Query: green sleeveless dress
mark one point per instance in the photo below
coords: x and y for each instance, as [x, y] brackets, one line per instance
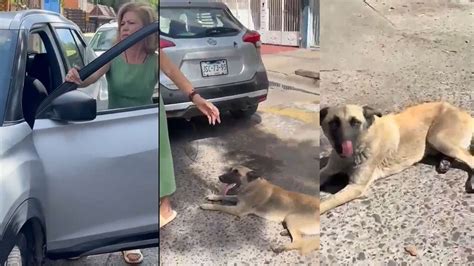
[133, 85]
[167, 179]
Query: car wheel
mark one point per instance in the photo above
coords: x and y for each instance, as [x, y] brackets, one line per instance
[24, 252]
[244, 113]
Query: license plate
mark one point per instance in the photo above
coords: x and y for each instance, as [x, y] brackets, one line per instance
[214, 68]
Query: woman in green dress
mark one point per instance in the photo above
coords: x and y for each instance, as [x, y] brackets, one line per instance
[167, 180]
[131, 79]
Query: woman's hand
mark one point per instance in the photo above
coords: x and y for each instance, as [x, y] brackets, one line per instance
[208, 109]
[73, 76]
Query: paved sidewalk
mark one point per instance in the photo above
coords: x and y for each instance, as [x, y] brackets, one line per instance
[282, 62]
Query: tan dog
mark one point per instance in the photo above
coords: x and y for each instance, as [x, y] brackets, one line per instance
[255, 195]
[368, 146]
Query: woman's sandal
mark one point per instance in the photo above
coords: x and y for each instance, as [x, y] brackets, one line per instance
[133, 253]
[166, 221]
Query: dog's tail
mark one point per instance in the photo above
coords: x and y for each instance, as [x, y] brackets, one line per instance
[310, 244]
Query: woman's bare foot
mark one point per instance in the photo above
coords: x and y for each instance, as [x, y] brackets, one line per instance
[165, 208]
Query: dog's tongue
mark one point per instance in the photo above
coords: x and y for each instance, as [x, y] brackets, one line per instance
[347, 148]
[227, 187]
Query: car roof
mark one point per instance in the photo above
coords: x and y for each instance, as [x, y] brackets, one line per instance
[109, 25]
[13, 20]
[191, 3]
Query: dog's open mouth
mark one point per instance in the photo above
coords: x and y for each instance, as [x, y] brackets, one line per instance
[228, 187]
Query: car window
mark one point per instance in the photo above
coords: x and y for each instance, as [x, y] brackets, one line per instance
[35, 44]
[197, 23]
[70, 48]
[104, 39]
[43, 70]
[8, 41]
[97, 90]
[42, 62]
[79, 43]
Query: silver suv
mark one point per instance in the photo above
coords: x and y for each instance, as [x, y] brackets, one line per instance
[216, 53]
[74, 179]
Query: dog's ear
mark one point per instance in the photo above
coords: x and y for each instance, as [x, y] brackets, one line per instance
[252, 175]
[322, 114]
[369, 114]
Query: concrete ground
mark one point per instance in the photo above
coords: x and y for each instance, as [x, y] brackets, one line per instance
[390, 54]
[150, 258]
[278, 141]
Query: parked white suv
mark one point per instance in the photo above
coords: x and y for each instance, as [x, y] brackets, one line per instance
[104, 38]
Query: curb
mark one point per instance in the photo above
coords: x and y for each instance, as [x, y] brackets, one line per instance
[294, 82]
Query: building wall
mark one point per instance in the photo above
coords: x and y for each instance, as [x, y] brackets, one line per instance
[73, 4]
[82, 4]
[245, 11]
[241, 10]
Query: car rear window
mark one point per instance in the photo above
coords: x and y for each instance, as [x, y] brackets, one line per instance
[197, 23]
[104, 39]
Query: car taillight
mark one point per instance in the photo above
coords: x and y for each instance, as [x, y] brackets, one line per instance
[165, 44]
[253, 37]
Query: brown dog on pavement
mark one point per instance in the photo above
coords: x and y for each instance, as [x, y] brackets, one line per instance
[255, 195]
[368, 146]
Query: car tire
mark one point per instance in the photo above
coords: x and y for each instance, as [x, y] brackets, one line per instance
[244, 113]
[25, 252]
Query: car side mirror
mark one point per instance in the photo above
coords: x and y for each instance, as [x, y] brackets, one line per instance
[73, 106]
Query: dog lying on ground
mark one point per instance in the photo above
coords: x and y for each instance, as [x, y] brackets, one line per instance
[368, 146]
[255, 195]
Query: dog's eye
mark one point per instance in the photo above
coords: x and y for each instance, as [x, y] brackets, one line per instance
[354, 122]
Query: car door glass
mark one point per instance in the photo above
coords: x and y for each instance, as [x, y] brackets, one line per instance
[69, 48]
[78, 55]
[35, 44]
[79, 44]
[42, 62]
[43, 72]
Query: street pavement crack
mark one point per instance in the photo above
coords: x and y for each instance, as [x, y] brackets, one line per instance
[290, 88]
[380, 14]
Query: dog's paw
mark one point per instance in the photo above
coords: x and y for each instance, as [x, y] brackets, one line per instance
[360, 156]
[443, 166]
[213, 197]
[207, 206]
[278, 249]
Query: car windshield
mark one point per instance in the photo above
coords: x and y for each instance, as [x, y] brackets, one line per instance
[197, 23]
[104, 39]
[8, 39]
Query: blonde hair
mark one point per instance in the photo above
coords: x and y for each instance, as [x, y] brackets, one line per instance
[147, 15]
